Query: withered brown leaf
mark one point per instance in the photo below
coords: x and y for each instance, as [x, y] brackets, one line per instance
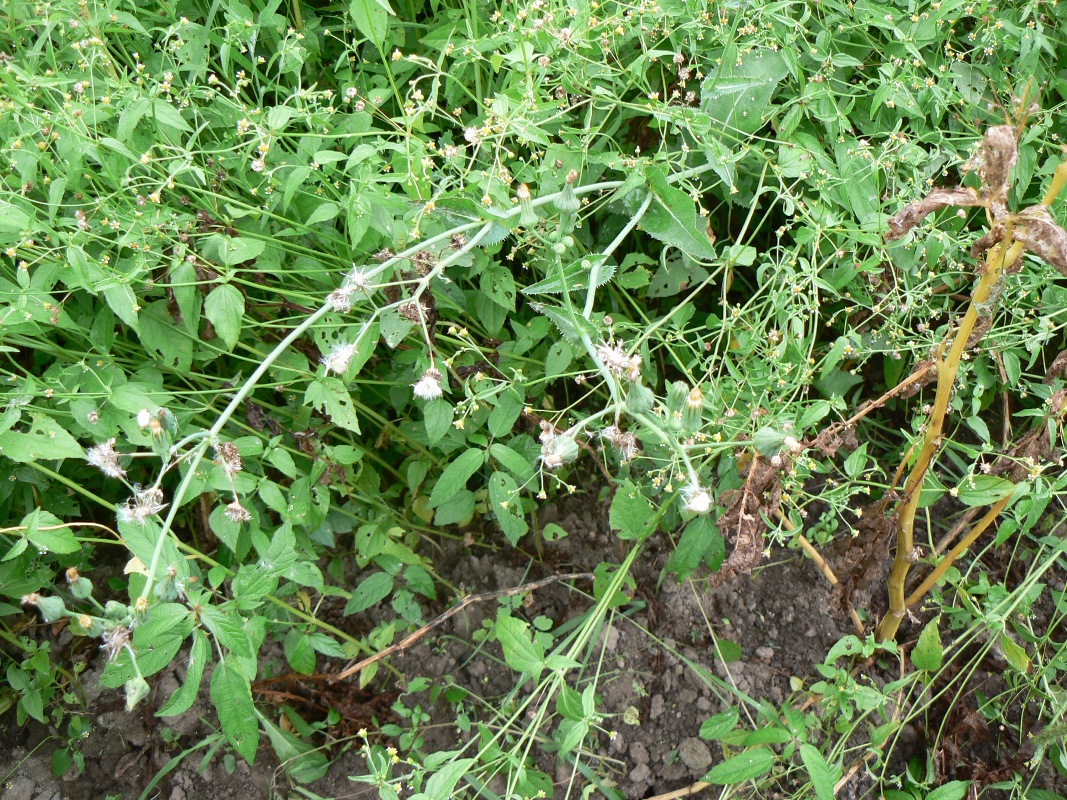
[914, 213]
[1035, 227]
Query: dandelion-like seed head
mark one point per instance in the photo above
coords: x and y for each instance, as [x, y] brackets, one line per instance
[115, 639]
[428, 387]
[237, 513]
[339, 357]
[227, 457]
[106, 459]
[697, 500]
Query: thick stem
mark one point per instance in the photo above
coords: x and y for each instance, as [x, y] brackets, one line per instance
[999, 257]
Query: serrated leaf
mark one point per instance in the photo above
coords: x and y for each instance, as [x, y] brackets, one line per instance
[227, 630]
[823, 776]
[576, 277]
[455, 476]
[44, 441]
[185, 695]
[953, 790]
[503, 495]
[984, 490]
[631, 513]
[330, 396]
[232, 697]
[372, 589]
[571, 330]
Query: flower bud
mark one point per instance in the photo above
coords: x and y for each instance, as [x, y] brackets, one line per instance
[676, 394]
[639, 399]
[559, 450]
[693, 412]
[527, 215]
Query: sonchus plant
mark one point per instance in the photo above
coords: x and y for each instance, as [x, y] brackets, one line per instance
[1011, 235]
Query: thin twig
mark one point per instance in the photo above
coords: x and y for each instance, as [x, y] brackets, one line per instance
[411, 638]
[688, 790]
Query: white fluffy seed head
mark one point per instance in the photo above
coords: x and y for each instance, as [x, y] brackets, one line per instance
[428, 387]
[697, 500]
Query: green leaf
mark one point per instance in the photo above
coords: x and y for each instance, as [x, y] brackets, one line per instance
[456, 475]
[1014, 653]
[718, 726]
[121, 299]
[575, 277]
[505, 413]
[185, 695]
[232, 696]
[515, 463]
[953, 790]
[169, 117]
[44, 441]
[823, 777]
[330, 396]
[370, 19]
[442, 782]
[928, 652]
[984, 490]
[61, 540]
[227, 630]
[372, 589]
[299, 652]
[557, 360]
[750, 764]
[324, 212]
[521, 652]
[631, 513]
[225, 307]
[504, 496]
[673, 219]
[437, 415]
[738, 95]
[698, 539]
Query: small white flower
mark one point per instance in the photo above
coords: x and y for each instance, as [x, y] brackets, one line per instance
[104, 458]
[258, 165]
[144, 418]
[339, 357]
[428, 387]
[697, 500]
[472, 135]
[351, 92]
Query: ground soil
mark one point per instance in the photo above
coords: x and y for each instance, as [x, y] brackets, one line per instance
[780, 617]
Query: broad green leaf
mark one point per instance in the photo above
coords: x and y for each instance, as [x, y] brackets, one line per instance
[928, 652]
[631, 513]
[442, 782]
[1014, 653]
[324, 212]
[823, 776]
[370, 19]
[699, 539]
[232, 696]
[521, 652]
[437, 415]
[225, 307]
[575, 277]
[673, 219]
[505, 413]
[227, 630]
[557, 360]
[953, 790]
[185, 695]
[58, 540]
[750, 764]
[169, 117]
[45, 440]
[372, 589]
[518, 465]
[507, 507]
[455, 476]
[984, 490]
[121, 299]
[299, 652]
[738, 95]
[330, 396]
[718, 726]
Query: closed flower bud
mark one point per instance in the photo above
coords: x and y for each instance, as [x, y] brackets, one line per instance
[676, 394]
[639, 399]
[693, 413]
[527, 215]
[559, 450]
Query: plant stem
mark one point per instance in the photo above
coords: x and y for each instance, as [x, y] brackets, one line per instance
[999, 257]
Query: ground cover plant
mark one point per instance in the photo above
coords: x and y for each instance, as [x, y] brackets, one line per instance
[300, 300]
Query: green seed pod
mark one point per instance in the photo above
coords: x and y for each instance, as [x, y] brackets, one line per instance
[676, 394]
[51, 608]
[639, 399]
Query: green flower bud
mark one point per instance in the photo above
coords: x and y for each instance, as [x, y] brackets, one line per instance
[51, 608]
[137, 689]
[693, 411]
[676, 394]
[639, 399]
[116, 610]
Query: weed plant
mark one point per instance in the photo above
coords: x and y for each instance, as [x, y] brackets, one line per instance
[292, 295]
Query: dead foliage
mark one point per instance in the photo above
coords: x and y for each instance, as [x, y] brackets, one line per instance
[746, 515]
[865, 561]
